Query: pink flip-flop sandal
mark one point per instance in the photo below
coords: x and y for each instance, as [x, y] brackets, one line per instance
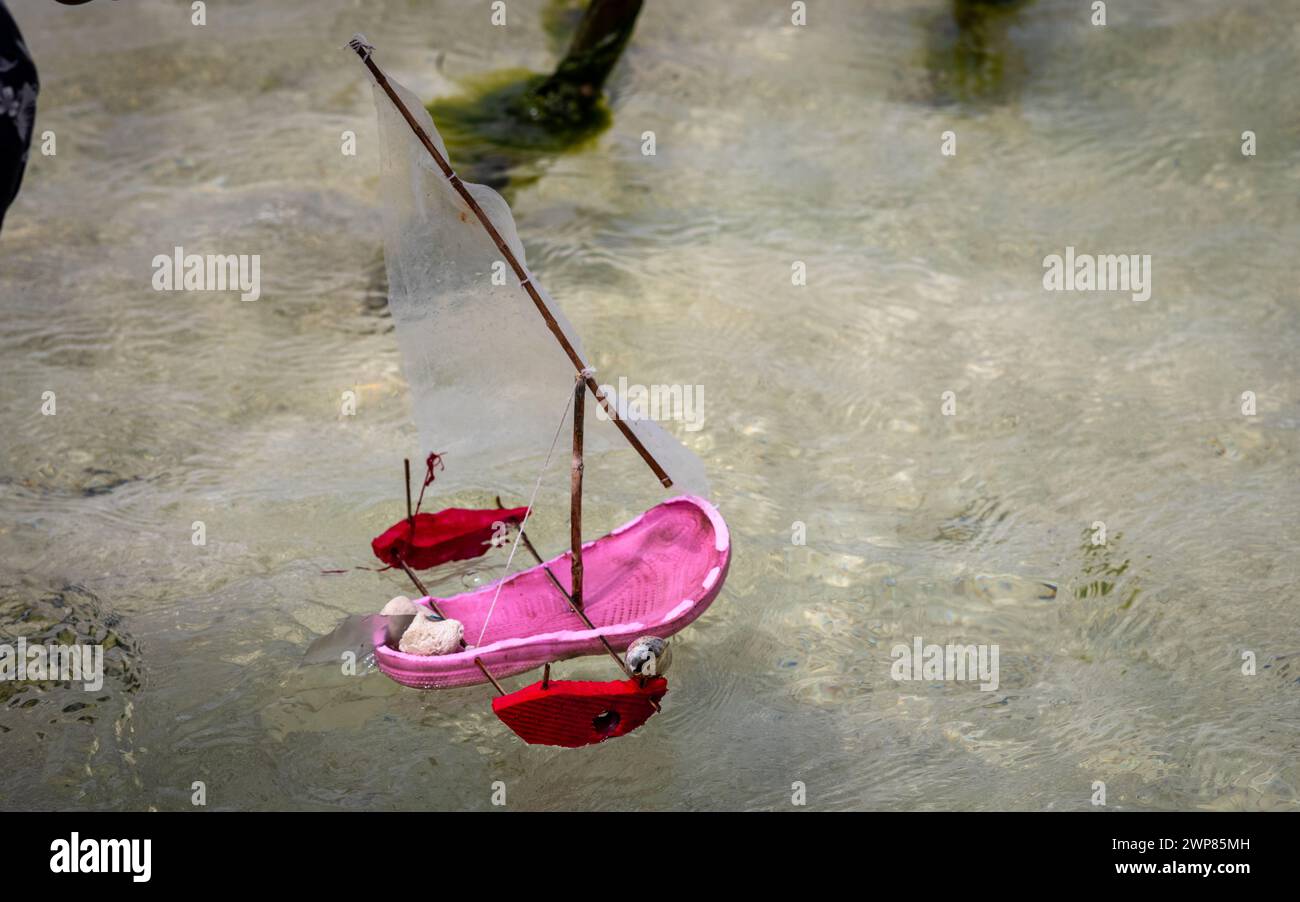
[653, 575]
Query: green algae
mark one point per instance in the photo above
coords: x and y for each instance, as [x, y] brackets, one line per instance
[505, 124]
[971, 57]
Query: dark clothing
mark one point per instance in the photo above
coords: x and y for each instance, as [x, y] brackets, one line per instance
[18, 87]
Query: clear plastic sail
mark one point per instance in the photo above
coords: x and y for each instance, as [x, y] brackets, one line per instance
[488, 379]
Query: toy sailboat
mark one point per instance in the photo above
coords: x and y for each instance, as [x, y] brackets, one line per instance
[649, 578]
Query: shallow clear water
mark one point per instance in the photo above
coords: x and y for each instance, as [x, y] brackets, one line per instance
[775, 144]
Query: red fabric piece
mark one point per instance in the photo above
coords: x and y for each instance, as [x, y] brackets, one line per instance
[454, 534]
[572, 713]
[433, 464]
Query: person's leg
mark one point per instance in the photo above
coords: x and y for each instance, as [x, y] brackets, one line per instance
[18, 87]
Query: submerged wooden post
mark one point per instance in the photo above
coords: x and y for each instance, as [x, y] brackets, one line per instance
[575, 491]
[597, 44]
[364, 50]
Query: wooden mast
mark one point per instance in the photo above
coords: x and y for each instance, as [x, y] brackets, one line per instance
[575, 492]
[575, 524]
[364, 51]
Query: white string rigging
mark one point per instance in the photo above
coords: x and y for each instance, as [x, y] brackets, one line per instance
[528, 513]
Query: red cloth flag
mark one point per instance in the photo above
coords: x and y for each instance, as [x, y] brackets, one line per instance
[454, 534]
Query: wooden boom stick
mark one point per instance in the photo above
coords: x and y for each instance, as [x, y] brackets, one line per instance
[365, 51]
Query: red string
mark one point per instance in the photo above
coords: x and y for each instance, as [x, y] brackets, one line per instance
[434, 461]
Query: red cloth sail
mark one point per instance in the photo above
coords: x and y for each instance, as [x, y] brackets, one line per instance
[454, 534]
[574, 713]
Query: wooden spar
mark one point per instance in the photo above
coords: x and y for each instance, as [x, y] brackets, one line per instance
[410, 517]
[488, 674]
[577, 610]
[528, 543]
[365, 51]
[423, 591]
[433, 604]
[575, 493]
